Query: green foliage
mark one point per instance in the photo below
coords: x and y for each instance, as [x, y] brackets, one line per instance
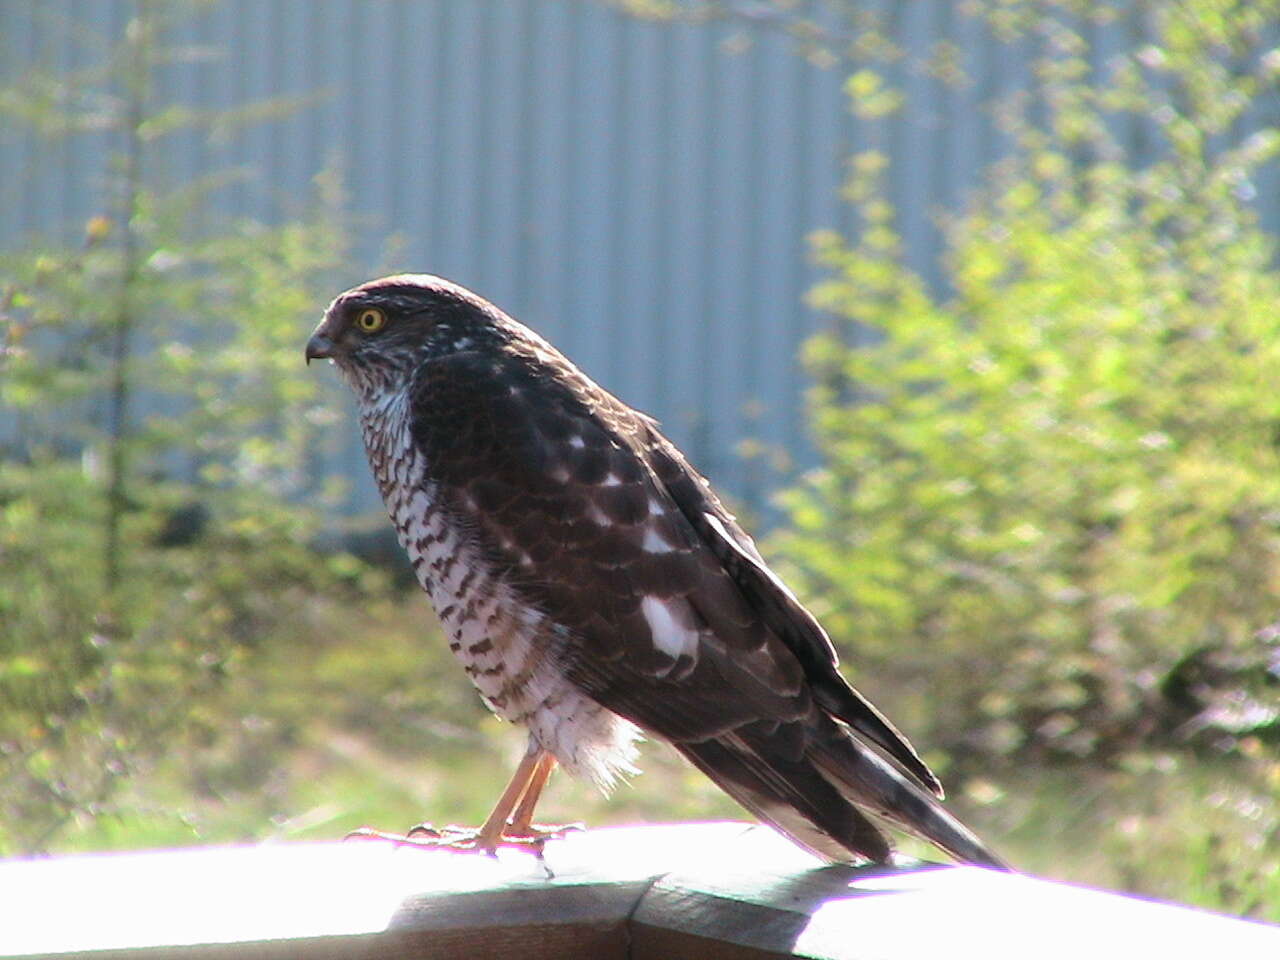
[97, 688]
[1055, 493]
[1063, 482]
[1048, 516]
[1189, 831]
[1058, 487]
[164, 431]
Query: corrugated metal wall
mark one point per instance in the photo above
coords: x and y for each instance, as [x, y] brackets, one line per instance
[640, 193]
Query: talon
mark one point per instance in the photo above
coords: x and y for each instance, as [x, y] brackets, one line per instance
[531, 838]
[509, 825]
[542, 831]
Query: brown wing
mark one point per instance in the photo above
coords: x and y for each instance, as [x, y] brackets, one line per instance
[778, 607]
[666, 614]
[574, 518]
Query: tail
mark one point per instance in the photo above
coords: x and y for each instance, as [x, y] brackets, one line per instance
[819, 785]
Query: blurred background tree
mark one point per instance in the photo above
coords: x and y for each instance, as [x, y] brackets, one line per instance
[1047, 524]
[165, 435]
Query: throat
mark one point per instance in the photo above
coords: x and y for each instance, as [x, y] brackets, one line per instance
[384, 425]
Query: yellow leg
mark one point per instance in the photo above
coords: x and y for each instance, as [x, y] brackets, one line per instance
[510, 824]
[495, 825]
[522, 819]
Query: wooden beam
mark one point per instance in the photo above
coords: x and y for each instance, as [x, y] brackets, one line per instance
[763, 897]
[705, 891]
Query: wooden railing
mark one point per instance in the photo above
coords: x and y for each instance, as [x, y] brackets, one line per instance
[704, 891]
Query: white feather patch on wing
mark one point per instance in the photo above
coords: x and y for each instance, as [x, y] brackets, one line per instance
[654, 542]
[669, 636]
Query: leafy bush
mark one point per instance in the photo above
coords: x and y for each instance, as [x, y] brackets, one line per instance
[112, 651]
[159, 435]
[1049, 511]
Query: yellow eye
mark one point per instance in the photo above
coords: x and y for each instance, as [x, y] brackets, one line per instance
[371, 320]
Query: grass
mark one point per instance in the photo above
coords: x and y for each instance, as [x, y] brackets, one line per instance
[1199, 834]
[386, 732]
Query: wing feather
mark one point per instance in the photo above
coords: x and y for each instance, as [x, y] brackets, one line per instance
[780, 609]
[579, 554]
[667, 614]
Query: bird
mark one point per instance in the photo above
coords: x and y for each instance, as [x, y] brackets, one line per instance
[597, 591]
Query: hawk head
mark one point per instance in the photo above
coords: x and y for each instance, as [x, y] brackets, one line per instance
[379, 332]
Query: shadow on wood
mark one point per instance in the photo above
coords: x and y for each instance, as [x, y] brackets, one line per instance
[705, 891]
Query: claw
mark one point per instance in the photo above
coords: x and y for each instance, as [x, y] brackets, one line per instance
[544, 831]
[509, 825]
[532, 837]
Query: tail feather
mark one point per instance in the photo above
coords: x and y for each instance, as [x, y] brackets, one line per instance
[843, 701]
[867, 780]
[797, 801]
[825, 796]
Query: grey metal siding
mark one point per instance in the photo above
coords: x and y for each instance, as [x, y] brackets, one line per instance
[640, 193]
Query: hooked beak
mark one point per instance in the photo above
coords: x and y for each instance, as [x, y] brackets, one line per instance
[319, 347]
